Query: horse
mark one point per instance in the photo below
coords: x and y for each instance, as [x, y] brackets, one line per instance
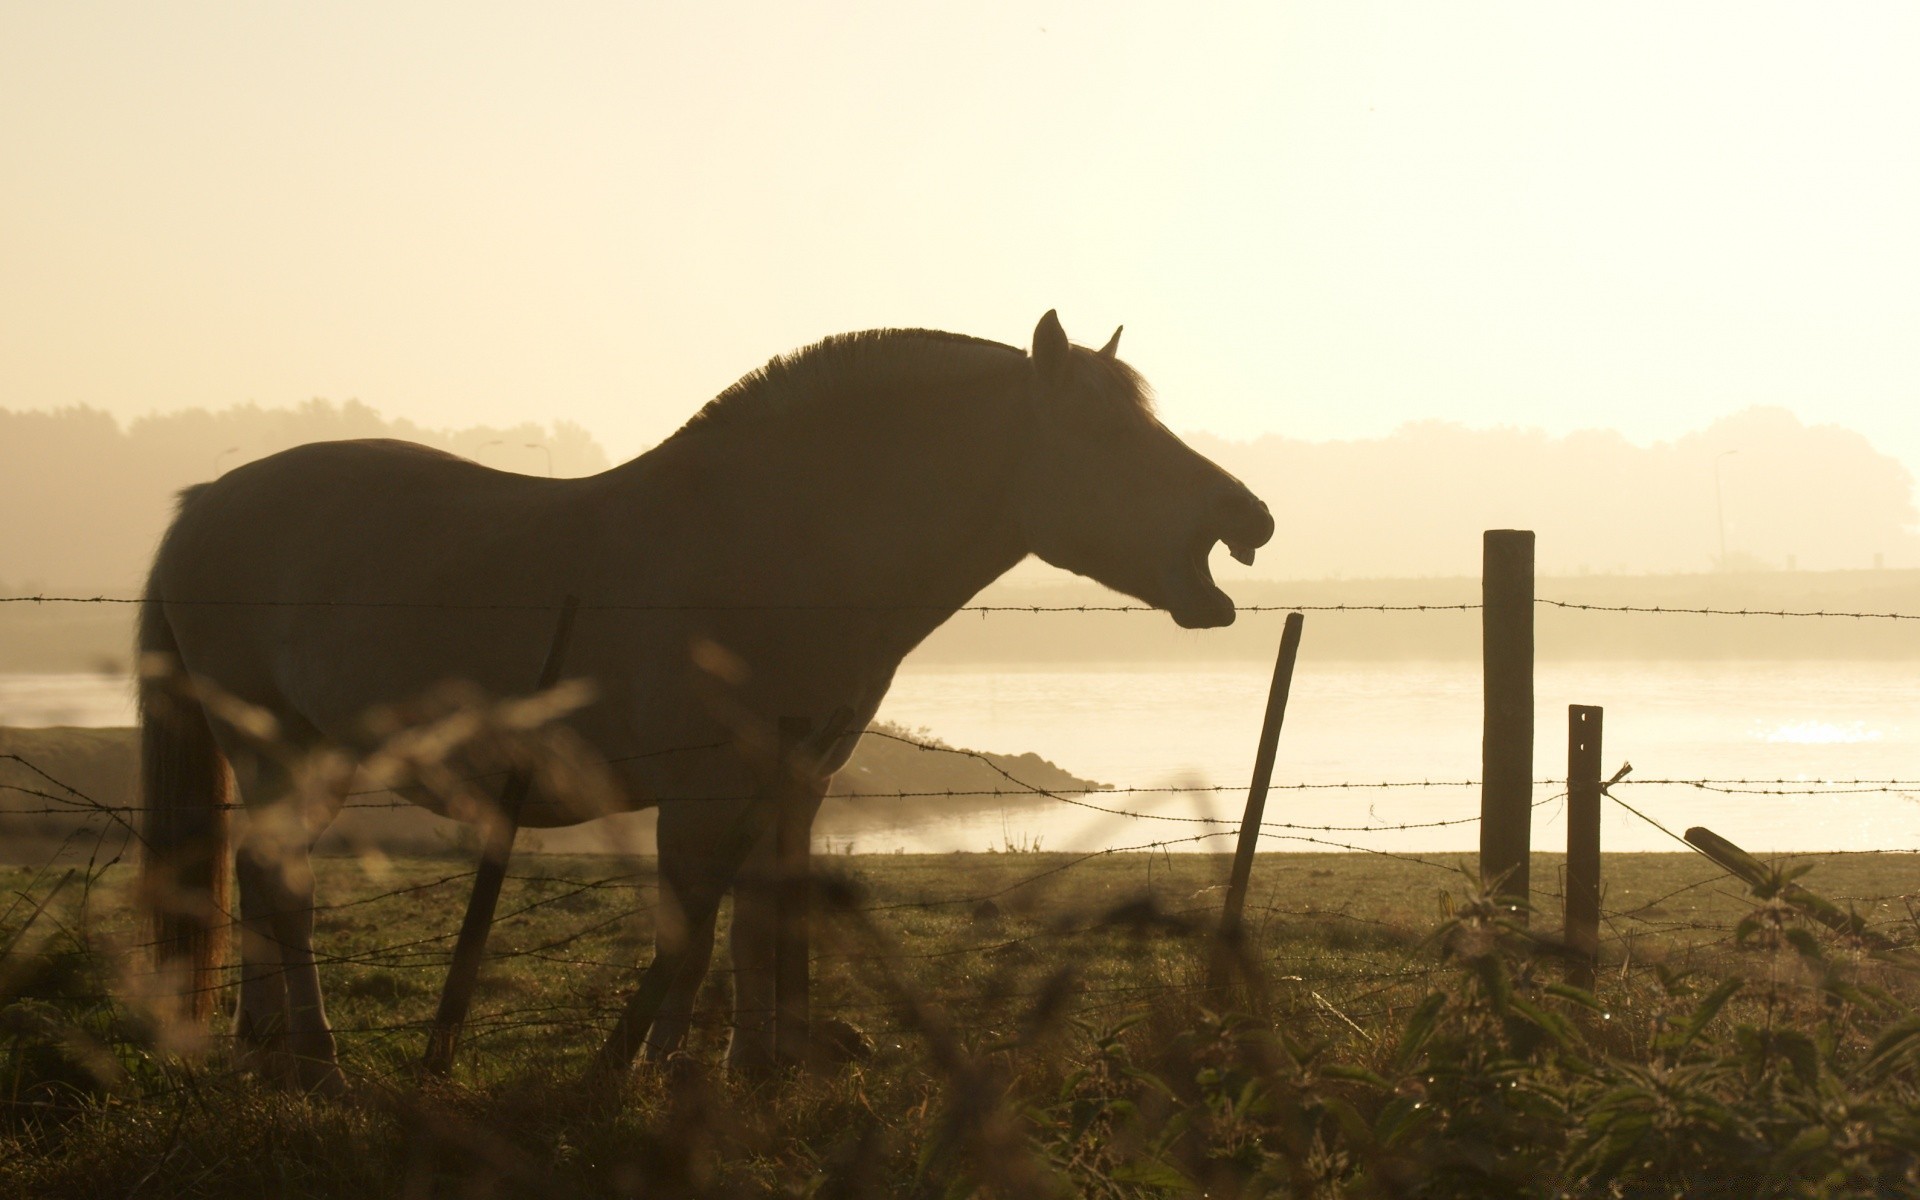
[777, 556]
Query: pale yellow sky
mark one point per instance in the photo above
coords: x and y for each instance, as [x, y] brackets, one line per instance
[1316, 219]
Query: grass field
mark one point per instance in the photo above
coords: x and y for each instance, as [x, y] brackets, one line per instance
[1036, 1024]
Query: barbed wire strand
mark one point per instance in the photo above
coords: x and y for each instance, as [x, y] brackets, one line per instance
[1346, 606]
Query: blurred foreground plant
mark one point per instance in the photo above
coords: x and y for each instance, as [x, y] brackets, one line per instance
[1793, 1071]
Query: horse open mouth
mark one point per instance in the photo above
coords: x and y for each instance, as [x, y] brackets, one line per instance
[1243, 525]
[1199, 603]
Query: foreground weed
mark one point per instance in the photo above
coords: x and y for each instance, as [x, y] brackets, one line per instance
[1783, 1063]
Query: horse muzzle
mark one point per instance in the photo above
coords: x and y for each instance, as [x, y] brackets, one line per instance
[1240, 521]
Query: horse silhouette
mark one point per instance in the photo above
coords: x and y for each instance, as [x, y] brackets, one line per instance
[777, 557]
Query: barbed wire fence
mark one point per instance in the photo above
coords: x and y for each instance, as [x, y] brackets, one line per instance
[615, 908]
[639, 607]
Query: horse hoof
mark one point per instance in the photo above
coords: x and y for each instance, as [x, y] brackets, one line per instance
[831, 1043]
[752, 1062]
[323, 1079]
[836, 1043]
[250, 1058]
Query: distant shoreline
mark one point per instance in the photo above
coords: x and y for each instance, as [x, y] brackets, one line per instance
[57, 780]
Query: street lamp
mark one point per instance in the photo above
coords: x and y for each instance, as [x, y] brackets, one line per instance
[542, 448]
[1720, 504]
[221, 455]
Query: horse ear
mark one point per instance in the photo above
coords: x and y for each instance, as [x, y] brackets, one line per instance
[1113, 343]
[1050, 349]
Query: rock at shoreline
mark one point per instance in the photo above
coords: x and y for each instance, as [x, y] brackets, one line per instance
[56, 781]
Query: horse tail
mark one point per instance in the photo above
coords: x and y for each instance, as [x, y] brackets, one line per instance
[186, 791]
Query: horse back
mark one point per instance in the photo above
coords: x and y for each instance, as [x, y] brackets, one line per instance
[318, 510]
[336, 575]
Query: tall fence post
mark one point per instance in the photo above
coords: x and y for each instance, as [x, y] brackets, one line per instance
[1257, 790]
[463, 973]
[1581, 927]
[1506, 747]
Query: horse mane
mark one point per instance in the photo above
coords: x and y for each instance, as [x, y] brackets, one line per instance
[875, 355]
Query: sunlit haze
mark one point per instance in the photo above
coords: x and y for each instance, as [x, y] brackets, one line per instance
[1322, 220]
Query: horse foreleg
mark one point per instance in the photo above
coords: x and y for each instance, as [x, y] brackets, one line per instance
[752, 945]
[692, 880]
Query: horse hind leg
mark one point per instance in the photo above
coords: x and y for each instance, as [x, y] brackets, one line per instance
[260, 1017]
[281, 1023]
[692, 881]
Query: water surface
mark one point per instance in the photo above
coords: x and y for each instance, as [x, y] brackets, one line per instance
[1367, 723]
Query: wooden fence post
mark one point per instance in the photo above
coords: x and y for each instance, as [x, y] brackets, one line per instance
[1257, 790]
[471, 946]
[1581, 927]
[1506, 747]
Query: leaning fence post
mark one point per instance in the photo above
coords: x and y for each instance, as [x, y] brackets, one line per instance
[1581, 927]
[1506, 747]
[1257, 790]
[464, 971]
[1752, 872]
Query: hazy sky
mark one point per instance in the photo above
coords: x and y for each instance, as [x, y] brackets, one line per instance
[1320, 219]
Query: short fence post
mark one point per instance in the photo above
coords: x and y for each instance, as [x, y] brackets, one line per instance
[1257, 790]
[792, 947]
[463, 973]
[1581, 928]
[1506, 747]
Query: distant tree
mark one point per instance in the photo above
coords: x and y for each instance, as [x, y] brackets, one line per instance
[1414, 503]
[87, 499]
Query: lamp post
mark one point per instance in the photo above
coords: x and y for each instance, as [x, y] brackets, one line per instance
[542, 448]
[221, 455]
[1720, 504]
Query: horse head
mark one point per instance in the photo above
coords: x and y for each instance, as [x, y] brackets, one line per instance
[1109, 492]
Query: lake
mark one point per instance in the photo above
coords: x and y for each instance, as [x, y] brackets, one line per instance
[1365, 723]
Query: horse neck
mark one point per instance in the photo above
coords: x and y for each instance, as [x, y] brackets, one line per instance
[898, 505]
